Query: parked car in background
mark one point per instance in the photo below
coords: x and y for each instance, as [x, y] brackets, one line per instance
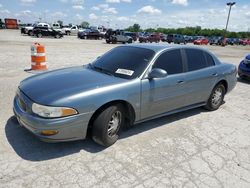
[189, 39]
[163, 37]
[217, 40]
[56, 26]
[29, 29]
[90, 34]
[244, 42]
[134, 35]
[201, 41]
[152, 37]
[127, 85]
[73, 30]
[233, 41]
[244, 68]
[114, 36]
[42, 31]
[176, 39]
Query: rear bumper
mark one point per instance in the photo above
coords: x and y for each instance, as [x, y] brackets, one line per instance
[68, 128]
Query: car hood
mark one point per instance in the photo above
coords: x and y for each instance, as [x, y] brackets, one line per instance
[49, 87]
[29, 27]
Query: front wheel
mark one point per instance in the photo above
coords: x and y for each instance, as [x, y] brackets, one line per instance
[107, 125]
[216, 98]
[39, 35]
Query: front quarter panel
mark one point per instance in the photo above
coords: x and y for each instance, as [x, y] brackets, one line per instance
[90, 101]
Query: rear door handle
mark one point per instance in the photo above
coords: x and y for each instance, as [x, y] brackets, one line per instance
[214, 74]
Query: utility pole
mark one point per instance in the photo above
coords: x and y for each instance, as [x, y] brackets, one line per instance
[230, 4]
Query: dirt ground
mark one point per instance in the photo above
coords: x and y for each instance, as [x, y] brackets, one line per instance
[195, 148]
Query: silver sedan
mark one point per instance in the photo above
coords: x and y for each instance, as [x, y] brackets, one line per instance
[125, 86]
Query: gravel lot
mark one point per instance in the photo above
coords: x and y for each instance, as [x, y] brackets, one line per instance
[195, 148]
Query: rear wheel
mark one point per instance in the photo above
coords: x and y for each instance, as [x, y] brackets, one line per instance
[216, 98]
[30, 33]
[107, 125]
[57, 36]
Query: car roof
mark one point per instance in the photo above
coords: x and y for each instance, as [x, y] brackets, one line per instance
[160, 47]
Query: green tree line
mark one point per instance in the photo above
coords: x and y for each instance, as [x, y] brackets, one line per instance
[192, 31]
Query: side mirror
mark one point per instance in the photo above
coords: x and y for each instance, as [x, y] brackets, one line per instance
[157, 73]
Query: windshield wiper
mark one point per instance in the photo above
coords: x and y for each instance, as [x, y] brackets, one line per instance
[99, 69]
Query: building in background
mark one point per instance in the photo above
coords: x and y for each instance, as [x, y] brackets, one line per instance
[11, 23]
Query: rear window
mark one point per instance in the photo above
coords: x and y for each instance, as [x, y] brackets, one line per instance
[210, 60]
[195, 59]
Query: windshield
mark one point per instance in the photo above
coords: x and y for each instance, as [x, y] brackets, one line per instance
[124, 62]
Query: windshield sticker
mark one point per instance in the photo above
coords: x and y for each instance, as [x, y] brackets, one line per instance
[125, 72]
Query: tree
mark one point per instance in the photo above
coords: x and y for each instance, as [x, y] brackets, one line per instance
[134, 28]
[84, 24]
[60, 22]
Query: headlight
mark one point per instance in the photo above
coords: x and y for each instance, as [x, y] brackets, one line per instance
[246, 61]
[52, 112]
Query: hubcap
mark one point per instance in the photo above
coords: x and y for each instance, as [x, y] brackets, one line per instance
[217, 96]
[114, 123]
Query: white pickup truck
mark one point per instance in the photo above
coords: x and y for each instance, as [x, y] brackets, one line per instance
[71, 30]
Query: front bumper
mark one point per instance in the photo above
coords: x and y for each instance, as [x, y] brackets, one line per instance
[68, 128]
[243, 70]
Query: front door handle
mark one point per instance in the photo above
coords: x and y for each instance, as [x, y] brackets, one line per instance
[180, 82]
[214, 74]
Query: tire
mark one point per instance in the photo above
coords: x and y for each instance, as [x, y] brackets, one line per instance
[39, 35]
[102, 131]
[67, 33]
[216, 98]
[107, 41]
[130, 41]
[30, 33]
[114, 41]
[57, 36]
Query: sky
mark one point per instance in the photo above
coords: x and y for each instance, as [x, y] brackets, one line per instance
[123, 13]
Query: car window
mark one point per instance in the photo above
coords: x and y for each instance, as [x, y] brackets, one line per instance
[170, 61]
[124, 62]
[195, 59]
[210, 60]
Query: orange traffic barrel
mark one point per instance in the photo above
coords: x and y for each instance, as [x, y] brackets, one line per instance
[38, 60]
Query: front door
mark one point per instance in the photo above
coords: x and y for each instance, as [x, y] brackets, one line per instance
[161, 95]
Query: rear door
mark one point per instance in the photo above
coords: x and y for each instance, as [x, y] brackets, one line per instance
[201, 75]
[164, 94]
